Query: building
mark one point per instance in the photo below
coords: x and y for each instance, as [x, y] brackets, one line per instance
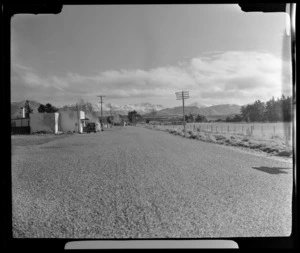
[69, 121]
[20, 124]
[66, 121]
[44, 122]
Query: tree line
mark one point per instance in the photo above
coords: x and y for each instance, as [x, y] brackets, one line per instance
[195, 118]
[48, 108]
[271, 111]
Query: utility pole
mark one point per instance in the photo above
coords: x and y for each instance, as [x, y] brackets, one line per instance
[182, 96]
[78, 120]
[153, 114]
[101, 102]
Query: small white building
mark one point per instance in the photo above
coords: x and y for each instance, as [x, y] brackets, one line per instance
[44, 122]
[68, 121]
[65, 121]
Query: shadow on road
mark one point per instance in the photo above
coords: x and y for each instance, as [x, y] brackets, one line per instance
[272, 170]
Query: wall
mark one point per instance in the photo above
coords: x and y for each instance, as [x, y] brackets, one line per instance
[68, 121]
[47, 122]
[20, 122]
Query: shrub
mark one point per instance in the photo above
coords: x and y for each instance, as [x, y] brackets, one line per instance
[219, 137]
[285, 153]
[42, 132]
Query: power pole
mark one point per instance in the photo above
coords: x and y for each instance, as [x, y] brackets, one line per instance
[153, 114]
[78, 120]
[182, 96]
[101, 102]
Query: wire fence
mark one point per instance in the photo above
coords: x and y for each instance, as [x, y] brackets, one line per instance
[267, 130]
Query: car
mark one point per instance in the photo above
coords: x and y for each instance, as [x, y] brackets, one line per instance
[91, 127]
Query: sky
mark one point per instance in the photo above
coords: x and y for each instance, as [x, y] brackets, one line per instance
[146, 53]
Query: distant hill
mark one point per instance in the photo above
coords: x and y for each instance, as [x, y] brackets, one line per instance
[176, 111]
[225, 109]
[215, 110]
[140, 108]
[197, 105]
[145, 109]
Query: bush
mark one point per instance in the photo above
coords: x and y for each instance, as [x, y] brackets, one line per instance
[285, 153]
[43, 132]
[220, 137]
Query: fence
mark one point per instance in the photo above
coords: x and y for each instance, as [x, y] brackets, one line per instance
[20, 130]
[268, 130]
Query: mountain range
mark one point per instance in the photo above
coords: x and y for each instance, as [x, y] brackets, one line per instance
[146, 109]
[214, 110]
[141, 108]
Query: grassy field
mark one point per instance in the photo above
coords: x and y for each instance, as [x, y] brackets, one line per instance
[273, 138]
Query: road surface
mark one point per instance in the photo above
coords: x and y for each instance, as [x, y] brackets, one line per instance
[132, 182]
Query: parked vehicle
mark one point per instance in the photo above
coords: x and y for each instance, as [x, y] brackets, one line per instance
[91, 127]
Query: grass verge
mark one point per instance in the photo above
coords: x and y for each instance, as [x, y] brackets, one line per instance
[273, 146]
[35, 139]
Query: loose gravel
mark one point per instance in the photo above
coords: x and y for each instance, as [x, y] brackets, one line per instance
[131, 182]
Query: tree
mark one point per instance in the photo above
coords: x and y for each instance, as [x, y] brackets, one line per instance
[28, 109]
[258, 111]
[109, 120]
[287, 108]
[200, 118]
[42, 108]
[244, 113]
[270, 110]
[189, 118]
[236, 118]
[48, 108]
[253, 112]
[132, 116]
[273, 110]
[85, 106]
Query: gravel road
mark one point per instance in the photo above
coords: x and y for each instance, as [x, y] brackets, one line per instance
[131, 182]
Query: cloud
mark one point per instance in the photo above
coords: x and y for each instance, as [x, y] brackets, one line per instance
[235, 76]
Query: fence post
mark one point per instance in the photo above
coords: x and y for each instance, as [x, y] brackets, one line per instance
[262, 130]
[274, 130]
[227, 129]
